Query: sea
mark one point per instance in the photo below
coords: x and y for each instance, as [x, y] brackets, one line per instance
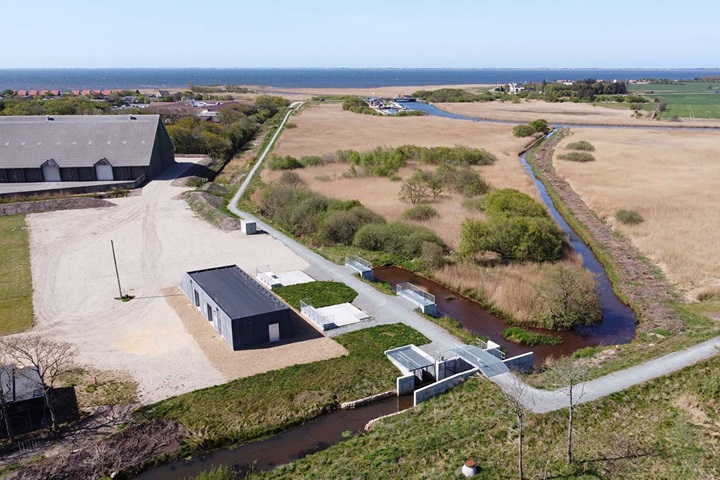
[133, 78]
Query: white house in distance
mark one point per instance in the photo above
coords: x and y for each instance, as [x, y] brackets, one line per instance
[516, 87]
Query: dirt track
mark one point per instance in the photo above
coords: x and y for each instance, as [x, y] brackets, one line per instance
[646, 291]
[157, 239]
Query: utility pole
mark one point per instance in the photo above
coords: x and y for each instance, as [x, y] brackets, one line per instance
[117, 274]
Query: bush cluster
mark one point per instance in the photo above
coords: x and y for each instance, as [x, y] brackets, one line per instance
[276, 162]
[525, 337]
[398, 239]
[358, 105]
[577, 157]
[314, 217]
[536, 126]
[454, 95]
[629, 217]
[424, 185]
[518, 228]
[420, 213]
[583, 145]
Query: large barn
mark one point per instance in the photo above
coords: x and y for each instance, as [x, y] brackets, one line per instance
[242, 311]
[78, 148]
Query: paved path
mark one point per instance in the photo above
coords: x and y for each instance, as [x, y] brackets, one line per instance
[388, 309]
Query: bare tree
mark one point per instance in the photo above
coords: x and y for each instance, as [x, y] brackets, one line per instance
[518, 404]
[49, 358]
[567, 374]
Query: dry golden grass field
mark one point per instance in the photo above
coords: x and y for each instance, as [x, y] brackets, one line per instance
[563, 113]
[671, 178]
[327, 128]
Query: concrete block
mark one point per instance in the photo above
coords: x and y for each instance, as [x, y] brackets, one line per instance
[405, 384]
[520, 363]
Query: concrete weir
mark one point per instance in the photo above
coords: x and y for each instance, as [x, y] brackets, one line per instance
[438, 375]
[420, 297]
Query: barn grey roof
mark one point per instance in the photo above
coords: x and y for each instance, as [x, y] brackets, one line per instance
[77, 140]
[25, 386]
[236, 292]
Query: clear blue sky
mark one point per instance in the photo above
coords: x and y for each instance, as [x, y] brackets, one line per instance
[360, 33]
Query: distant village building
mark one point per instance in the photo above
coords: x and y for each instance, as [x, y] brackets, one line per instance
[79, 148]
[516, 87]
[242, 311]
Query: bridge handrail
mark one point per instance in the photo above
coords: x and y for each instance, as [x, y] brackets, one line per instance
[350, 259]
[414, 289]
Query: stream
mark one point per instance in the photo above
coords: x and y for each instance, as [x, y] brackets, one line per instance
[285, 447]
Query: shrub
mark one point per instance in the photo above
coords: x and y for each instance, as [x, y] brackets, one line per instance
[284, 163]
[291, 179]
[581, 145]
[570, 298]
[524, 337]
[523, 130]
[414, 190]
[399, 239]
[629, 217]
[420, 213]
[509, 201]
[340, 226]
[539, 125]
[312, 161]
[577, 157]
[473, 204]
[432, 255]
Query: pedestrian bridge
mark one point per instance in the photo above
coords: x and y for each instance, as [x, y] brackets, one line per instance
[488, 364]
[421, 298]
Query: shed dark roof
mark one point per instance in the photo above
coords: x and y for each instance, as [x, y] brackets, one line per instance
[77, 140]
[26, 384]
[236, 292]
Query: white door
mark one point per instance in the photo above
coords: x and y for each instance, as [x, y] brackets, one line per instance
[274, 331]
[51, 174]
[104, 172]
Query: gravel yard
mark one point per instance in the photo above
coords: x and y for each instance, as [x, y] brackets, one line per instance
[157, 239]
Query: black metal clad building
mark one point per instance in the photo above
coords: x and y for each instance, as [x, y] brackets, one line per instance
[242, 311]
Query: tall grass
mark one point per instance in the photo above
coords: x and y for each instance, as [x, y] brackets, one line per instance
[583, 145]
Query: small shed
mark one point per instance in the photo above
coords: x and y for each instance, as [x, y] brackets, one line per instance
[242, 311]
[25, 399]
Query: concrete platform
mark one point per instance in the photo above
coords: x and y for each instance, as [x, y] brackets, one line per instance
[344, 314]
[49, 187]
[294, 277]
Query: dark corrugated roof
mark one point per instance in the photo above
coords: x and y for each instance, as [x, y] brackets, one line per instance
[236, 292]
[77, 140]
[27, 383]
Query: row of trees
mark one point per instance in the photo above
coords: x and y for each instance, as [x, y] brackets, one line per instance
[238, 124]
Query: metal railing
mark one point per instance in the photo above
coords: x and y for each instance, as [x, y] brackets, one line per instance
[322, 321]
[268, 278]
[355, 262]
[422, 296]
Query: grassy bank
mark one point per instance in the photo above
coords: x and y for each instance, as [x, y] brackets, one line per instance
[16, 308]
[251, 408]
[662, 429]
[318, 294]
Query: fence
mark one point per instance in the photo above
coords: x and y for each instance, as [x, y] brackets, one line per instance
[322, 321]
[418, 294]
[361, 265]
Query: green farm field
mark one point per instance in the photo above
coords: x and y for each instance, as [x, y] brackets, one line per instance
[16, 308]
[689, 100]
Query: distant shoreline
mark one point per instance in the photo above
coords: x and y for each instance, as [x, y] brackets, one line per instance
[315, 78]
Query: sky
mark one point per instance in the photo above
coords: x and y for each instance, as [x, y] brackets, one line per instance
[361, 33]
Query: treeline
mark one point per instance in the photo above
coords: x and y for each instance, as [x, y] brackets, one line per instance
[454, 95]
[327, 222]
[579, 91]
[238, 124]
[383, 161]
[54, 106]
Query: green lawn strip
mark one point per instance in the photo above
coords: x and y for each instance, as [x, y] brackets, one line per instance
[254, 407]
[525, 337]
[317, 294]
[660, 429]
[16, 308]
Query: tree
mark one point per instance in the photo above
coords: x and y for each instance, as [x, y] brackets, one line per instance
[570, 298]
[414, 190]
[567, 375]
[539, 125]
[517, 404]
[49, 358]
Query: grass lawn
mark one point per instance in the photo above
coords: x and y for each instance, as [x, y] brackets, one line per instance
[317, 294]
[16, 309]
[254, 407]
[667, 428]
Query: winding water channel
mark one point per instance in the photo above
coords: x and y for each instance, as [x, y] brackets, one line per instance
[617, 326]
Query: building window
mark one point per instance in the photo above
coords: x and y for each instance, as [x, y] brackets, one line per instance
[197, 298]
[209, 313]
